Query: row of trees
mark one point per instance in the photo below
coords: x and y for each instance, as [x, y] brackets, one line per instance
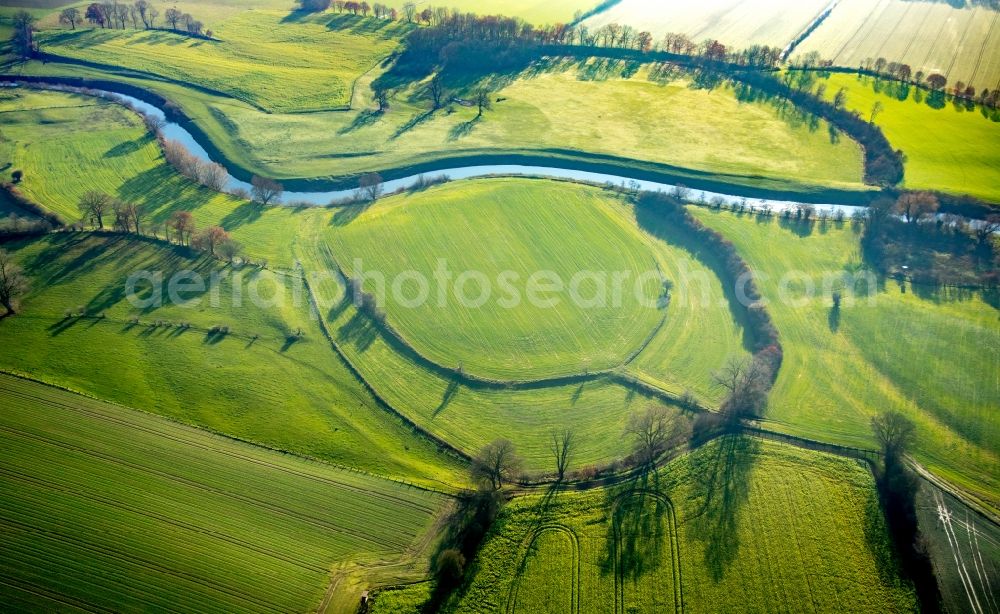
[936, 82]
[96, 207]
[208, 174]
[13, 283]
[142, 14]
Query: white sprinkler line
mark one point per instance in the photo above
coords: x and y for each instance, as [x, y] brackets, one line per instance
[944, 515]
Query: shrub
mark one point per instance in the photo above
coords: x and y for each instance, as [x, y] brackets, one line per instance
[17, 175]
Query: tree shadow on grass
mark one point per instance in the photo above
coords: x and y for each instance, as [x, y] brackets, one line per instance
[245, 213]
[358, 330]
[348, 213]
[721, 489]
[126, 148]
[463, 129]
[449, 393]
[364, 118]
[638, 534]
[412, 123]
[661, 228]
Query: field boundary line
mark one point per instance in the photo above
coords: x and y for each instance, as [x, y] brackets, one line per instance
[260, 447]
[675, 554]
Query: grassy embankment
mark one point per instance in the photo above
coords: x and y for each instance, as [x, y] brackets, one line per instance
[931, 353]
[734, 526]
[109, 508]
[600, 111]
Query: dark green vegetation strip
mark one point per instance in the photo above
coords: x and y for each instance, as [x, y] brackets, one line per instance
[106, 508]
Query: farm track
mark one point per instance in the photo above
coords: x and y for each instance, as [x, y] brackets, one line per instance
[961, 44]
[673, 536]
[576, 565]
[985, 47]
[869, 22]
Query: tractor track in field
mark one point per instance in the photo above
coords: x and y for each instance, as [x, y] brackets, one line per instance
[526, 546]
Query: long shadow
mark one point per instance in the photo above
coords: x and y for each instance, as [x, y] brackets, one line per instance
[449, 393]
[722, 490]
[360, 331]
[801, 228]
[833, 319]
[661, 228]
[247, 213]
[126, 148]
[463, 129]
[348, 213]
[362, 119]
[412, 123]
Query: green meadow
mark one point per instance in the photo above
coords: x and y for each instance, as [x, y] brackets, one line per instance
[261, 57]
[601, 110]
[930, 353]
[950, 146]
[107, 508]
[266, 383]
[487, 309]
[737, 525]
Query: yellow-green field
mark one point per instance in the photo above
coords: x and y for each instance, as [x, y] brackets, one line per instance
[261, 57]
[931, 353]
[950, 146]
[107, 508]
[739, 525]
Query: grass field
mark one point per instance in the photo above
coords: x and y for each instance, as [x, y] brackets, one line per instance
[274, 390]
[954, 148]
[739, 525]
[932, 354]
[469, 416]
[492, 236]
[736, 24]
[106, 508]
[603, 108]
[934, 37]
[68, 145]
[263, 58]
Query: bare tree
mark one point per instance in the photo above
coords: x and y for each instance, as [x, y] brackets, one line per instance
[916, 205]
[381, 95]
[651, 431]
[987, 228]
[70, 16]
[876, 109]
[436, 91]
[265, 191]
[173, 17]
[894, 432]
[562, 445]
[483, 101]
[410, 11]
[745, 380]
[370, 186]
[496, 464]
[13, 283]
[840, 98]
[212, 175]
[93, 206]
[183, 224]
[210, 239]
[23, 40]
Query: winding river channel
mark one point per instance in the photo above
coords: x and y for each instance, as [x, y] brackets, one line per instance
[175, 132]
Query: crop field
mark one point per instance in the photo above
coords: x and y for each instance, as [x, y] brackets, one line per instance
[737, 525]
[934, 37]
[664, 121]
[485, 316]
[839, 370]
[536, 12]
[308, 64]
[108, 508]
[264, 386]
[734, 23]
[956, 150]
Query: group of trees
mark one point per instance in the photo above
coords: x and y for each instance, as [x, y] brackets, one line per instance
[380, 11]
[13, 283]
[23, 38]
[208, 174]
[96, 207]
[142, 14]
[936, 82]
[909, 233]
